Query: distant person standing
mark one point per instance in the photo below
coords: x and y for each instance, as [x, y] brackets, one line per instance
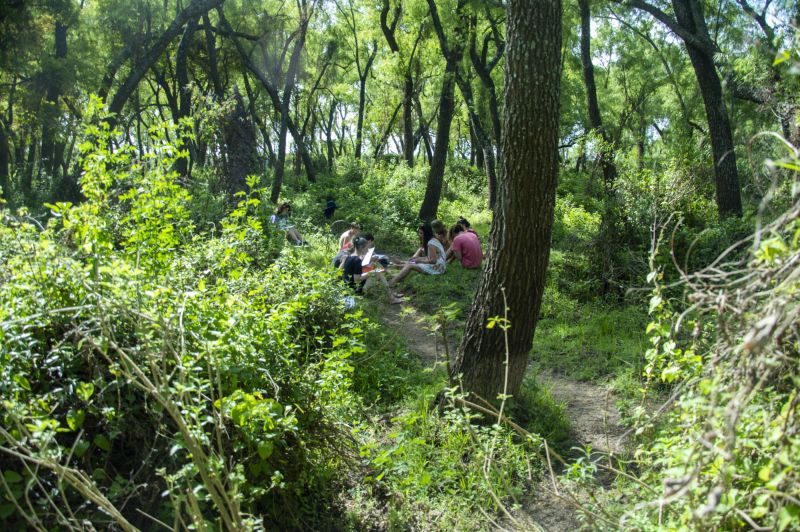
[330, 207]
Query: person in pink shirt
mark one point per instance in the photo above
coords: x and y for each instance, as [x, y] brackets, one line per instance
[465, 247]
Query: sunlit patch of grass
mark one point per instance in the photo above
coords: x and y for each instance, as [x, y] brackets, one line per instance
[591, 342]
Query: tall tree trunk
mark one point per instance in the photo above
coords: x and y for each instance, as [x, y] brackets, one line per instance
[607, 241]
[485, 147]
[274, 97]
[241, 153]
[288, 88]
[483, 67]
[729, 201]
[211, 49]
[182, 165]
[362, 100]
[408, 121]
[689, 24]
[52, 151]
[520, 236]
[452, 52]
[5, 180]
[595, 119]
[329, 134]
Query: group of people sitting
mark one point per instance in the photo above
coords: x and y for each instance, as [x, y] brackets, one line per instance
[362, 268]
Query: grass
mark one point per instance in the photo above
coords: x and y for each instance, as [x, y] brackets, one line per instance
[593, 342]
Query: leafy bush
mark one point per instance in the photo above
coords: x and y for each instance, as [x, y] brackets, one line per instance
[146, 379]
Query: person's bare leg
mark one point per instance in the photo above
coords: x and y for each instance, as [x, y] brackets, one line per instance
[405, 271]
[294, 234]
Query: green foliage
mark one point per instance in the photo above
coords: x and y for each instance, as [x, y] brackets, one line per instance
[590, 341]
[725, 455]
[437, 468]
[130, 359]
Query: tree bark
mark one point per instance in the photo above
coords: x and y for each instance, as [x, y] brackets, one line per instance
[5, 193]
[183, 164]
[241, 153]
[52, 151]
[520, 236]
[452, 53]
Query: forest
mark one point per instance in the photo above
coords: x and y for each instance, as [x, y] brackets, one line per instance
[399, 265]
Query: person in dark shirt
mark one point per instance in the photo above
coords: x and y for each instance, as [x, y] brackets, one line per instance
[354, 275]
[330, 207]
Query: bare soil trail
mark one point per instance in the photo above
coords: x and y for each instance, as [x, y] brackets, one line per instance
[590, 408]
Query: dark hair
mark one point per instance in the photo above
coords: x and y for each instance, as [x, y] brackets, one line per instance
[427, 233]
[438, 227]
[368, 236]
[360, 243]
[457, 228]
[463, 222]
[355, 225]
[284, 205]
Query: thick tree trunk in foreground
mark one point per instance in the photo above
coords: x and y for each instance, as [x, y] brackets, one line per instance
[520, 237]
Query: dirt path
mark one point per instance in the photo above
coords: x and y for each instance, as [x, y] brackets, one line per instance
[590, 408]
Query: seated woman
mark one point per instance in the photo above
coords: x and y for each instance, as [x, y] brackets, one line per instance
[363, 278]
[433, 263]
[281, 220]
[440, 232]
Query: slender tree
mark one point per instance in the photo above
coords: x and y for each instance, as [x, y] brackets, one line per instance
[452, 50]
[519, 245]
[690, 25]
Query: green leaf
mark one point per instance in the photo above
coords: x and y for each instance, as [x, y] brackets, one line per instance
[84, 390]
[265, 449]
[75, 418]
[12, 477]
[655, 301]
[789, 516]
[22, 382]
[102, 442]
[80, 448]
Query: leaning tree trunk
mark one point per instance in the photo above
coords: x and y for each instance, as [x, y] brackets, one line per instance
[191, 12]
[520, 237]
